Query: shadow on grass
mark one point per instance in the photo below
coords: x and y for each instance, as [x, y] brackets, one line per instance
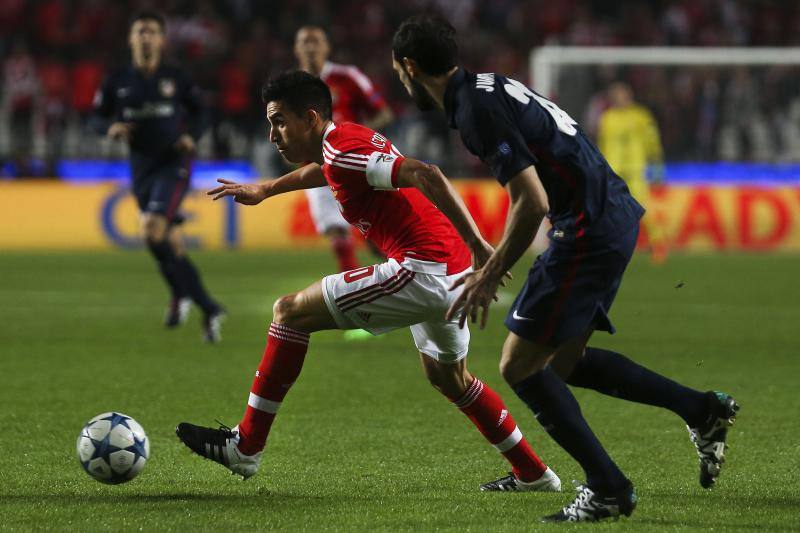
[122, 498]
[722, 499]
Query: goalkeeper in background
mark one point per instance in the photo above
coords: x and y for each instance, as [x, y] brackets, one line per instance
[628, 137]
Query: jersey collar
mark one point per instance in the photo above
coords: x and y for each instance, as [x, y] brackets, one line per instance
[329, 129]
[326, 69]
[458, 79]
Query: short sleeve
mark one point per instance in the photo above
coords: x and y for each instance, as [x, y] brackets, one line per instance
[491, 134]
[382, 170]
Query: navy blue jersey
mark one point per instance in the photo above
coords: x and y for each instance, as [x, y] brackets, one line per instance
[161, 106]
[509, 127]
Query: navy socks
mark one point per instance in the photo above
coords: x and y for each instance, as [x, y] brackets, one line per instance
[556, 409]
[181, 275]
[190, 279]
[613, 374]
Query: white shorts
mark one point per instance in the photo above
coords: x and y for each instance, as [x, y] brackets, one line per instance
[325, 210]
[388, 296]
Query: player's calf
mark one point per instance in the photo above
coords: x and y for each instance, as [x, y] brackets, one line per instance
[487, 411]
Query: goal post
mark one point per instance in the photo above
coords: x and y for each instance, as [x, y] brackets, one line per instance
[546, 60]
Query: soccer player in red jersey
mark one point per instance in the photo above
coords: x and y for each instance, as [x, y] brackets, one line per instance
[354, 100]
[393, 201]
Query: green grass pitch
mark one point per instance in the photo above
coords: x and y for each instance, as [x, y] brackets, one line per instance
[362, 442]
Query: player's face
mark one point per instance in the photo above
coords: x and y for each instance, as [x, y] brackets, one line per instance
[288, 132]
[146, 39]
[423, 100]
[311, 46]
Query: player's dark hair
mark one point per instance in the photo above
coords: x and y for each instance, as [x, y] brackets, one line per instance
[299, 91]
[428, 39]
[149, 14]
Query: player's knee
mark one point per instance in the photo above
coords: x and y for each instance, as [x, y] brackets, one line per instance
[154, 229]
[506, 370]
[286, 310]
[515, 367]
[450, 380]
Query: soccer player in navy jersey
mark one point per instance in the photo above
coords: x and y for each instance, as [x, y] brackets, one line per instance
[158, 111]
[550, 168]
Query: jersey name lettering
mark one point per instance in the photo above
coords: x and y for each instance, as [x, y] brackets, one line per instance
[485, 82]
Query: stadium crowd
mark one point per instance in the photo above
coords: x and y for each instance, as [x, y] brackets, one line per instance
[54, 54]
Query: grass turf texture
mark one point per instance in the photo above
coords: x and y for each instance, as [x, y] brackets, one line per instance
[362, 441]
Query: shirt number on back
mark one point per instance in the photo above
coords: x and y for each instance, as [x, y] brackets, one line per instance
[519, 92]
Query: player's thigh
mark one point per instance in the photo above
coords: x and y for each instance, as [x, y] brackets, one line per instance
[325, 211]
[377, 298]
[167, 194]
[441, 340]
[304, 310]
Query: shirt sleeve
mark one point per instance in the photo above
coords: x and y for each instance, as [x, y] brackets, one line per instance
[104, 105]
[196, 114]
[491, 134]
[370, 98]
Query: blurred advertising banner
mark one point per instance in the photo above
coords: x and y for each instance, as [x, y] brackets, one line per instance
[51, 215]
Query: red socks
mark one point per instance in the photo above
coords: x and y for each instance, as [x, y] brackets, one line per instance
[345, 252]
[489, 414]
[279, 368]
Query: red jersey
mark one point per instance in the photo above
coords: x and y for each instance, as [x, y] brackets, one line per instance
[361, 169]
[353, 95]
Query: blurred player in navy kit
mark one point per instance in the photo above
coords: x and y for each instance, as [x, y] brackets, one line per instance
[158, 112]
[355, 99]
[550, 168]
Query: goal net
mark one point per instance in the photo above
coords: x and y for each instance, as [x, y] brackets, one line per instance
[711, 104]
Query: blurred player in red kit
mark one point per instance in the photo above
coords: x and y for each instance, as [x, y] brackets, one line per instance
[354, 100]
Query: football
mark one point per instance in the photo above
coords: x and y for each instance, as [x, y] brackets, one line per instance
[113, 448]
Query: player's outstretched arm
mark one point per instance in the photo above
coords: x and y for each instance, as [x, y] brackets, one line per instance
[528, 207]
[306, 177]
[430, 180]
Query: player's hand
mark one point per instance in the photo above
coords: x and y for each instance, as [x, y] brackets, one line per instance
[480, 288]
[185, 144]
[242, 194]
[121, 131]
[481, 252]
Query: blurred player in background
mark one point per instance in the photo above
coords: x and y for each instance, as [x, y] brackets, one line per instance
[393, 201]
[354, 100]
[548, 167]
[159, 113]
[628, 137]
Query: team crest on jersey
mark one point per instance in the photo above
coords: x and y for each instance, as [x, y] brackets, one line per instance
[166, 87]
[502, 152]
[363, 226]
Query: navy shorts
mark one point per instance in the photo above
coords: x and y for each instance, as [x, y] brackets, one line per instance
[162, 192]
[570, 289]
